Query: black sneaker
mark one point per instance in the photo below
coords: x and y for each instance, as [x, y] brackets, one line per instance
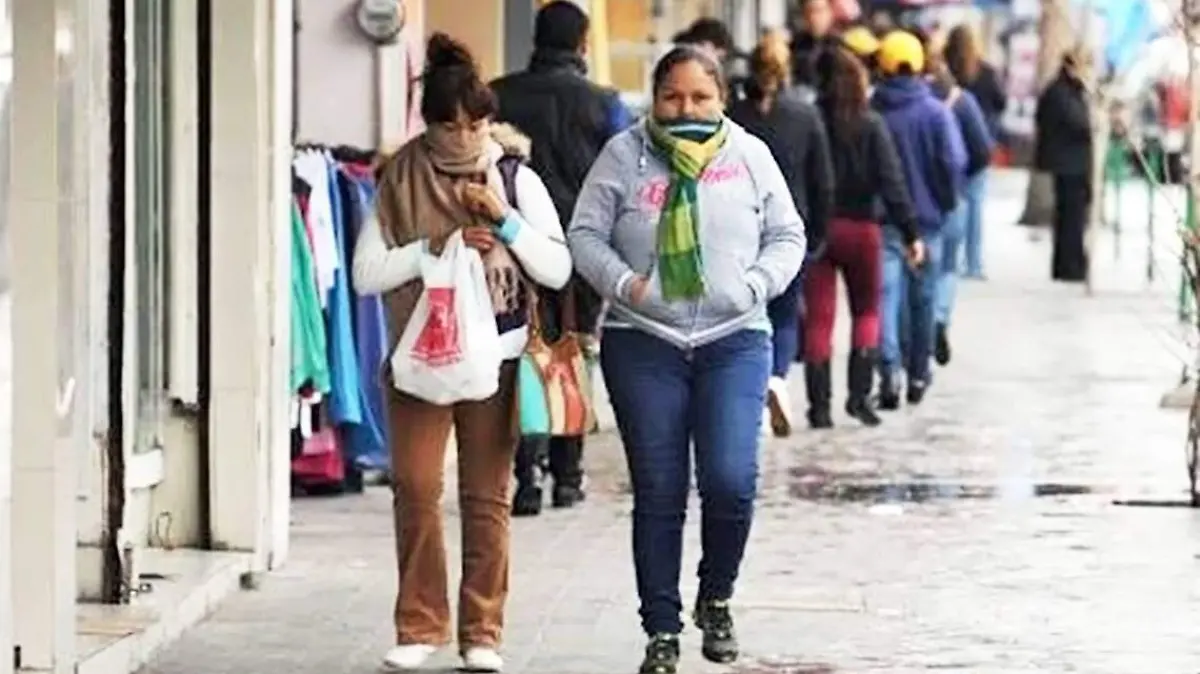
[565, 496]
[916, 392]
[527, 501]
[720, 642]
[941, 345]
[662, 655]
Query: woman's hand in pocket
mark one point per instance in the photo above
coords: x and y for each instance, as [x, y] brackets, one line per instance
[639, 287]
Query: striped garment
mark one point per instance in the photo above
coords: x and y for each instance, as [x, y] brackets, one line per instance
[688, 148]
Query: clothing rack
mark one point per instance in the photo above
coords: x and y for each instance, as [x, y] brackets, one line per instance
[346, 154]
[339, 337]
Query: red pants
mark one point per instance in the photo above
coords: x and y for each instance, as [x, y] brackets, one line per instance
[855, 248]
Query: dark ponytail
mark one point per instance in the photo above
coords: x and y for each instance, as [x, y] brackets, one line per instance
[451, 82]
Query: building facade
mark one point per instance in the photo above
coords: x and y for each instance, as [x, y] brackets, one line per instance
[145, 212]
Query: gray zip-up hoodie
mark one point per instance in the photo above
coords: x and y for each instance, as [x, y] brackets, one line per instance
[751, 237]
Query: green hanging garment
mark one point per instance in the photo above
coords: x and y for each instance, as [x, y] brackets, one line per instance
[310, 363]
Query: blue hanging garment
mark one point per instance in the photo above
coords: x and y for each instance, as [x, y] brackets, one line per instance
[345, 404]
[366, 442]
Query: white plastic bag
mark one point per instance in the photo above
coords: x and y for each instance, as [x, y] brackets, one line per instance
[450, 349]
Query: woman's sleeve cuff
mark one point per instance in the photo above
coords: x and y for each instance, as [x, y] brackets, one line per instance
[508, 228]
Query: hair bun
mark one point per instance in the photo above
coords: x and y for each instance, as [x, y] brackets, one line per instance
[444, 51]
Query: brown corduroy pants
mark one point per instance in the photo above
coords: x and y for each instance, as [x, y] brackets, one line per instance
[486, 435]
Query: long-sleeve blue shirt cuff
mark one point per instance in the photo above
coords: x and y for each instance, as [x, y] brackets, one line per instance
[508, 228]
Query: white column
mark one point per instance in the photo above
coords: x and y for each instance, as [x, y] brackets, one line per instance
[280, 255]
[44, 484]
[6, 388]
[246, 444]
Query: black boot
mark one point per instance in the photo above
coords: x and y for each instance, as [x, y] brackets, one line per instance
[817, 382]
[941, 345]
[566, 467]
[889, 394]
[860, 373]
[527, 469]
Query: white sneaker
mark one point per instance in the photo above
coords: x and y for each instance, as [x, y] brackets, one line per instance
[481, 659]
[764, 427]
[407, 657]
[779, 405]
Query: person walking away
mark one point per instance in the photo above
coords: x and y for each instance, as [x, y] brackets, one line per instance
[709, 35]
[861, 42]
[446, 180]
[867, 171]
[713, 36]
[978, 143]
[931, 152]
[964, 57]
[568, 119]
[816, 33]
[793, 131]
[1064, 150]
[687, 226]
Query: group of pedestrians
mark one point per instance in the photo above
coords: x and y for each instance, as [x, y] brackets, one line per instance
[905, 128]
[702, 245]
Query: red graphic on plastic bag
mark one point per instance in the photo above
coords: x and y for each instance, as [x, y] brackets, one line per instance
[438, 343]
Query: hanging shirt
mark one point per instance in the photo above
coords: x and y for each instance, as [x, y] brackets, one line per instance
[366, 443]
[313, 168]
[309, 361]
[345, 404]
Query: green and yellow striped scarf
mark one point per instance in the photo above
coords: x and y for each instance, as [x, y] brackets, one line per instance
[688, 148]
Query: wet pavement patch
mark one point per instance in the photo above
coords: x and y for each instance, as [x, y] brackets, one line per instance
[815, 484]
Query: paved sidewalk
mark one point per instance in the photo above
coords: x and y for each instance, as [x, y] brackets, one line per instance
[975, 533]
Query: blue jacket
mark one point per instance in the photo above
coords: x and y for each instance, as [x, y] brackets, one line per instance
[977, 136]
[929, 143]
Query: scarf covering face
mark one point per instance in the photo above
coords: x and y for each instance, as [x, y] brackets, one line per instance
[688, 147]
[419, 197]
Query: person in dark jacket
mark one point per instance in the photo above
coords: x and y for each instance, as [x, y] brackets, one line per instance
[713, 37]
[867, 171]
[1064, 150]
[710, 35]
[793, 130]
[816, 33]
[568, 119]
[964, 57]
[978, 143]
[932, 154]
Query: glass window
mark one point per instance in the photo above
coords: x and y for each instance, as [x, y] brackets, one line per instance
[152, 212]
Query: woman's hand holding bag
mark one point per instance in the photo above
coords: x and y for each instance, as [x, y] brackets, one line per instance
[450, 349]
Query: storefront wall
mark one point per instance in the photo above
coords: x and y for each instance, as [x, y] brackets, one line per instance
[54, 514]
[350, 91]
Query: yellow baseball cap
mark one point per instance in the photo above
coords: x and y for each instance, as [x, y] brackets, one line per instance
[898, 49]
[860, 40]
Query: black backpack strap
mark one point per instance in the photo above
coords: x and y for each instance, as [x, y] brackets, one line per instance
[508, 166]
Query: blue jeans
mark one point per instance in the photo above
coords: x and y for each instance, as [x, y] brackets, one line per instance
[973, 224]
[907, 302]
[947, 284]
[784, 312]
[666, 401]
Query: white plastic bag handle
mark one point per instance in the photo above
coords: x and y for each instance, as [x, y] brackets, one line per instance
[435, 266]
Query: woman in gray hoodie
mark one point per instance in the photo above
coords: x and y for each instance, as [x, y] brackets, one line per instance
[686, 224]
